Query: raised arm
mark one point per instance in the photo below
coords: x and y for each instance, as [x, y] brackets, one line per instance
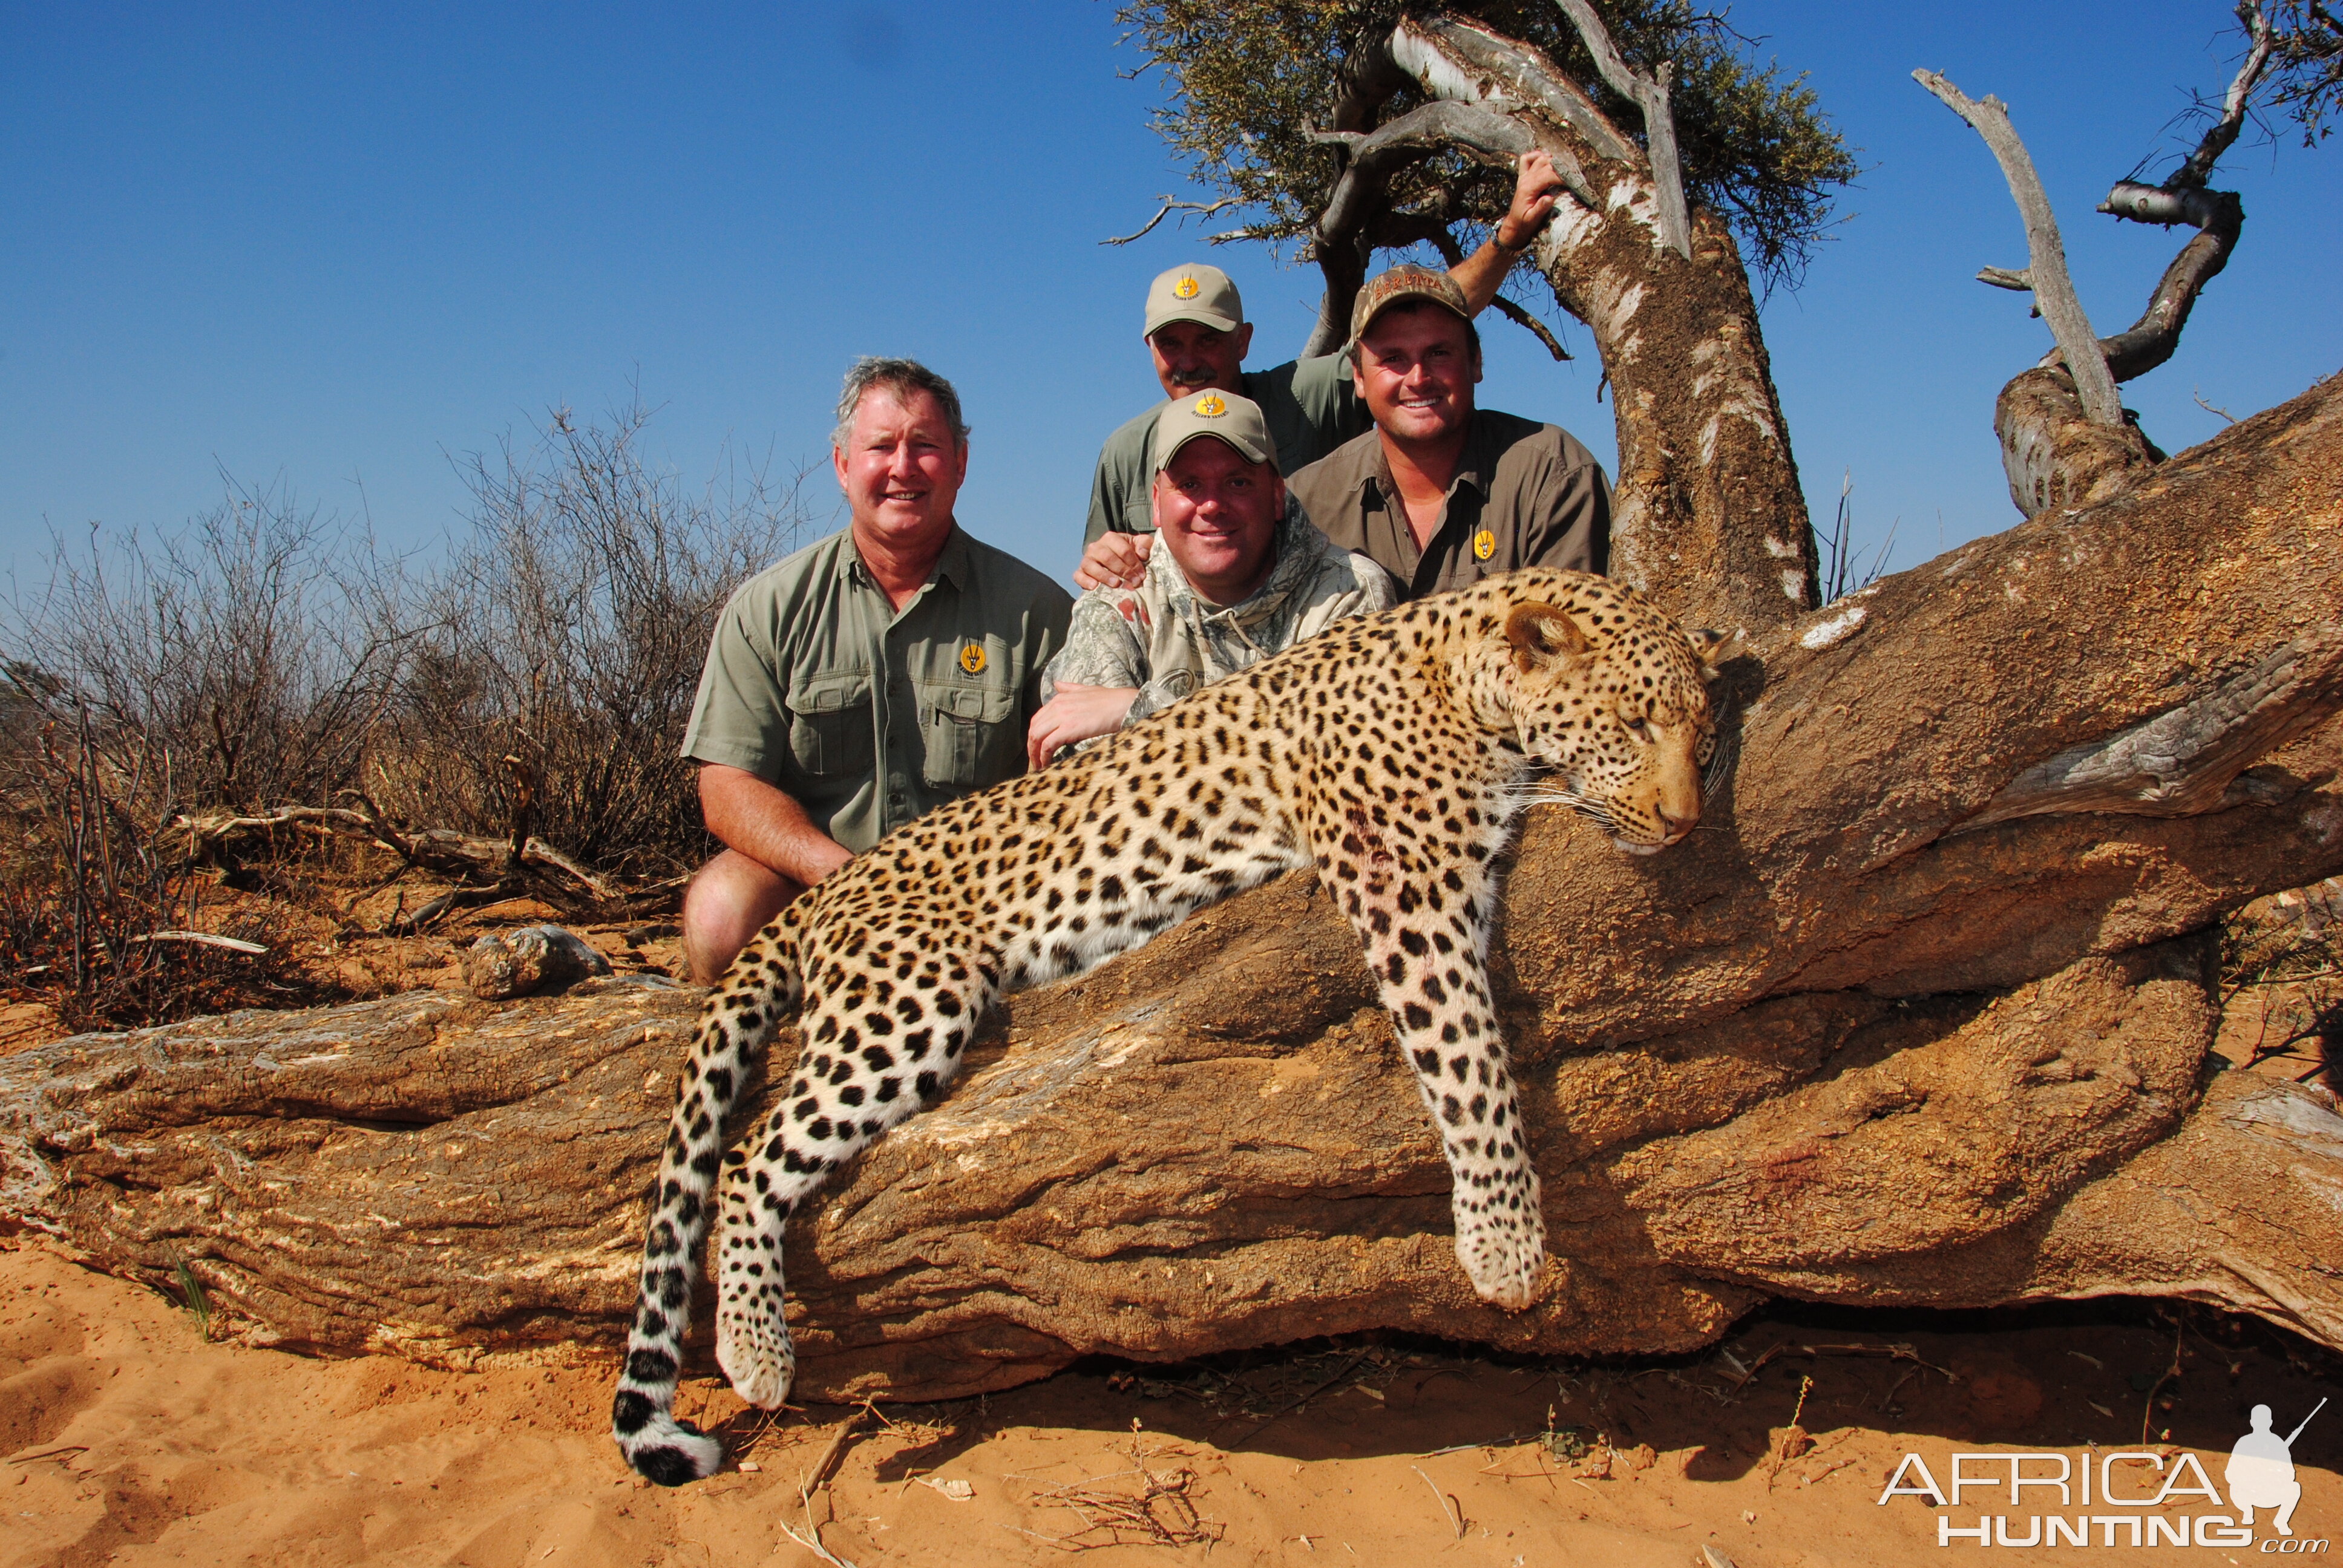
[1536, 188]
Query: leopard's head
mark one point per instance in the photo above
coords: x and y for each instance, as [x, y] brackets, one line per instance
[1611, 699]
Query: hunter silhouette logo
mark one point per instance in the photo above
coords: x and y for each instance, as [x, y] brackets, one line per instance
[2125, 1498]
[2260, 1471]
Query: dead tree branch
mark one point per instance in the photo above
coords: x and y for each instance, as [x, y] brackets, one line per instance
[2217, 215]
[1346, 230]
[2054, 288]
[1649, 94]
[442, 846]
[1170, 205]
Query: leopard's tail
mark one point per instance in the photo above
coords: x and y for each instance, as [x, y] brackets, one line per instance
[764, 986]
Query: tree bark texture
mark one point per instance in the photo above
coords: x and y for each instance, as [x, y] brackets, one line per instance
[1921, 1016]
[2055, 458]
[1708, 517]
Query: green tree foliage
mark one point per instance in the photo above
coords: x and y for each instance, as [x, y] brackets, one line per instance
[2307, 75]
[1246, 80]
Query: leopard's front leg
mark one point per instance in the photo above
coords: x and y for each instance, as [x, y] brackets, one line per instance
[1424, 927]
[1448, 1030]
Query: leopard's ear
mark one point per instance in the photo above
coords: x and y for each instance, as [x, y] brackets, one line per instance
[1540, 633]
[1707, 645]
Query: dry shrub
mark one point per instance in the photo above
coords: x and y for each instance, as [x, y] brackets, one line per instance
[97, 908]
[565, 640]
[537, 678]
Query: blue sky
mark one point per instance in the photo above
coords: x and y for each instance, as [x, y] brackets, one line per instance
[330, 247]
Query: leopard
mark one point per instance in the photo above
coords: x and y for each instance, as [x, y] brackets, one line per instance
[1393, 754]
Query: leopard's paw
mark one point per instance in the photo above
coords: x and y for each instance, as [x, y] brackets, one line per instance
[1502, 1256]
[752, 1346]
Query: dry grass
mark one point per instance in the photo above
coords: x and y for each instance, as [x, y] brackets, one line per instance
[531, 687]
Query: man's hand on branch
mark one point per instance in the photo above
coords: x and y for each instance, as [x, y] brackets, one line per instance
[1077, 713]
[1114, 560]
[1536, 188]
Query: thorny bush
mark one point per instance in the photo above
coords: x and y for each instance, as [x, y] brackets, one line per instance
[537, 677]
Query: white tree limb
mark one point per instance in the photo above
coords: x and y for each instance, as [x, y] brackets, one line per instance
[2054, 288]
[1649, 94]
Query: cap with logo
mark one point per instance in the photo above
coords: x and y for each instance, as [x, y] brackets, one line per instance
[1234, 419]
[1406, 282]
[1202, 294]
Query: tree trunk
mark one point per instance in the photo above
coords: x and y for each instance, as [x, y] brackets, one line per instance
[2055, 457]
[1709, 518]
[1920, 1016]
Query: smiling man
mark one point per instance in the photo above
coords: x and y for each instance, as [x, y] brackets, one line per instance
[866, 679]
[1441, 494]
[1239, 576]
[1198, 338]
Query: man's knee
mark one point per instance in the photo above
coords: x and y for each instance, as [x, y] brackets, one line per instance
[728, 902]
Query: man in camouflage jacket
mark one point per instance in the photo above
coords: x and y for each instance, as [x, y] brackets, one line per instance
[1242, 575]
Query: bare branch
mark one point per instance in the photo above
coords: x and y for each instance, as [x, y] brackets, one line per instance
[2219, 216]
[1649, 94]
[1171, 206]
[2151, 340]
[1344, 236]
[2017, 279]
[1532, 325]
[2223, 134]
[2054, 288]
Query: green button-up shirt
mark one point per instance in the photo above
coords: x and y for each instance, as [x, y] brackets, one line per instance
[1309, 405]
[1523, 494]
[866, 715]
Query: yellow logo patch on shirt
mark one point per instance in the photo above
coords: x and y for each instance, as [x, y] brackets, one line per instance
[1187, 288]
[1485, 545]
[1211, 407]
[972, 657]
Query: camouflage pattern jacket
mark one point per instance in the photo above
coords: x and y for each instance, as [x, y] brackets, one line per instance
[1166, 642]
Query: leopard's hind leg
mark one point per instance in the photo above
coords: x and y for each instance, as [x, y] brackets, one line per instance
[762, 987]
[881, 1044]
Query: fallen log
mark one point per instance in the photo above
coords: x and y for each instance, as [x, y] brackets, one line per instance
[1921, 1016]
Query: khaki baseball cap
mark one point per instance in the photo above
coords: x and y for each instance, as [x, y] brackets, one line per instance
[1195, 294]
[1406, 282]
[1234, 419]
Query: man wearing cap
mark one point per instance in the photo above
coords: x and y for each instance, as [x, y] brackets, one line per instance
[1240, 576]
[866, 679]
[1198, 336]
[1441, 494]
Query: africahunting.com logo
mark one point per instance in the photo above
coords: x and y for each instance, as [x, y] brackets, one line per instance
[2125, 1498]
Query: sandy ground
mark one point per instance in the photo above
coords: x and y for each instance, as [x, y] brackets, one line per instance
[127, 1435]
[131, 1438]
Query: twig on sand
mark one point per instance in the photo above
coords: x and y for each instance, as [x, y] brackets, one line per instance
[1161, 1513]
[1448, 1506]
[813, 1545]
[818, 1476]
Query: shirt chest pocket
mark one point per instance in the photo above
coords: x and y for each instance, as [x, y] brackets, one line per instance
[830, 725]
[971, 734]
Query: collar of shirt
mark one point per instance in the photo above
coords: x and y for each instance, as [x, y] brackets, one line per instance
[1473, 466]
[953, 566]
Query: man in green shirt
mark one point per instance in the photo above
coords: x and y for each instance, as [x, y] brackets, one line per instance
[867, 679]
[1442, 493]
[1196, 332]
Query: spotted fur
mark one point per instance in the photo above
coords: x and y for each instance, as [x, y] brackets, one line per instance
[1394, 753]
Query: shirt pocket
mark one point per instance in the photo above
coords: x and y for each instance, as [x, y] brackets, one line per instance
[971, 734]
[830, 725]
